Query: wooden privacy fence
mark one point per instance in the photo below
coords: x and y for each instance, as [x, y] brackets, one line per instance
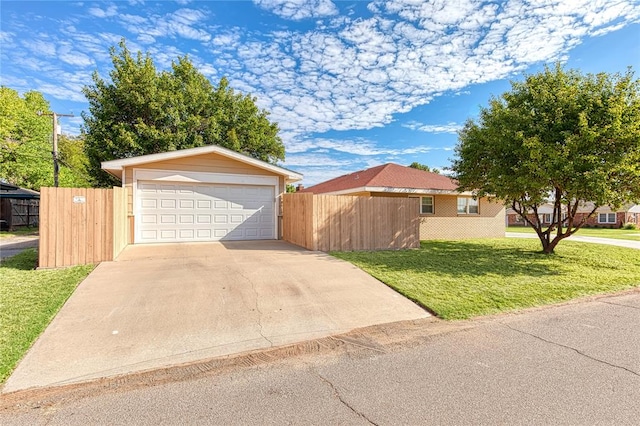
[347, 223]
[79, 226]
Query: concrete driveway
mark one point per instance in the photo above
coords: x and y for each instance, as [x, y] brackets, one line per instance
[166, 304]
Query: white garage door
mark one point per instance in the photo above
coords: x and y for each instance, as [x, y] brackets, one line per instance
[178, 212]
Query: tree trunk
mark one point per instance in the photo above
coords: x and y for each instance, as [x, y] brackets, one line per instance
[548, 245]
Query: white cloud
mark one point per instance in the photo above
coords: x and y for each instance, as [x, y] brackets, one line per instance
[6, 37]
[182, 23]
[339, 73]
[406, 54]
[110, 11]
[69, 55]
[299, 9]
[433, 128]
[356, 146]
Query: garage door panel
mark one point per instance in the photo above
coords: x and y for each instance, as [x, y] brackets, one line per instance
[149, 235]
[186, 218]
[204, 218]
[187, 233]
[149, 218]
[192, 212]
[148, 203]
[266, 233]
[167, 218]
[251, 219]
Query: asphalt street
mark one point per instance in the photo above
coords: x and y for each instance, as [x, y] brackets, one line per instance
[15, 245]
[577, 363]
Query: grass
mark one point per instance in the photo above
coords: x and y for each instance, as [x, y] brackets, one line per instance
[22, 231]
[29, 299]
[616, 233]
[464, 279]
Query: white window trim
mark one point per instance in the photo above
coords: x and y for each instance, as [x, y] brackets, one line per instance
[181, 176]
[542, 217]
[433, 204]
[607, 222]
[466, 207]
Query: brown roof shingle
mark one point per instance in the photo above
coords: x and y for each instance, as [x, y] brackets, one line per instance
[388, 176]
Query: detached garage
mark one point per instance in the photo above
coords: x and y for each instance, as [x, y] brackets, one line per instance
[201, 194]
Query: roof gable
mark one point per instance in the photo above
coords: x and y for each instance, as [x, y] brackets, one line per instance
[115, 167]
[389, 176]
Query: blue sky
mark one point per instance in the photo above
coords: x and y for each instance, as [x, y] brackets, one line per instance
[352, 84]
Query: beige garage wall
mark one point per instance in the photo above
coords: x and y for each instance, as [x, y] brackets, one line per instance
[207, 163]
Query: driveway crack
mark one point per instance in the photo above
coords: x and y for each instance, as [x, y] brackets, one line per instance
[257, 308]
[342, 401]
[579, 352]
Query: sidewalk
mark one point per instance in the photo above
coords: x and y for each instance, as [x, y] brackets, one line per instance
[596, 240]
[14, 245]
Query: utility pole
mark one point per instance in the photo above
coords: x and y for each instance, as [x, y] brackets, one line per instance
[56, 168]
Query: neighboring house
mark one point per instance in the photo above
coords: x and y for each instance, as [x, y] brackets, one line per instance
[604, 217]
[444, 212]
[18, 206]
[207, 193]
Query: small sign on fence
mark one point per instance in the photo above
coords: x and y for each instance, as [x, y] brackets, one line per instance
[79, 199]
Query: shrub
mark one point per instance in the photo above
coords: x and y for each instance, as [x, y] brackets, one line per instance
[630, 225]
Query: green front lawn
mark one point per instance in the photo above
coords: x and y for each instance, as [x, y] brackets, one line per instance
[618, 234]
[29, 299]
[463, 279]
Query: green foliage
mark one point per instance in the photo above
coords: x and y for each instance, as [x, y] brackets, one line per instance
[73, 162]
[143, 111]
[416, 165]
[560, 137]
[464, 279]
[290, 189]
[630, 226]
[25, 139]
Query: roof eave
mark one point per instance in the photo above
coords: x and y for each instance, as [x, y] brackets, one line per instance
[394, 190]
[116, 167]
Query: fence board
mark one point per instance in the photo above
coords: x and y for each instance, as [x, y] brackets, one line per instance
[120, 220]
[80, 226]
[82, 229]
[328, 222]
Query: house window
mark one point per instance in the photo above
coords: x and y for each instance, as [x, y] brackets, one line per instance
[467, 205]
[606, 218]
[545, 217]
[426, 205]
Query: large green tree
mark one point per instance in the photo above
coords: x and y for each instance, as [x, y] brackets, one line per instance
[144, 111]
[25, 143]
[73, 162]
[559, 137]
[423, 167]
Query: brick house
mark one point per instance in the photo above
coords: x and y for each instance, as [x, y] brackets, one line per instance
[604, 217]
[445, 213]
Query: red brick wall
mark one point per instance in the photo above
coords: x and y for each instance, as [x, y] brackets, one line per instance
[514, 219]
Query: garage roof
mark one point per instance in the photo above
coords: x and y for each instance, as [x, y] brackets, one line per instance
[115, 167]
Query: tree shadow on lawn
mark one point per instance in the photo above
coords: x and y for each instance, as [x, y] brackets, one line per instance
[25, 261]
[463, 258]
